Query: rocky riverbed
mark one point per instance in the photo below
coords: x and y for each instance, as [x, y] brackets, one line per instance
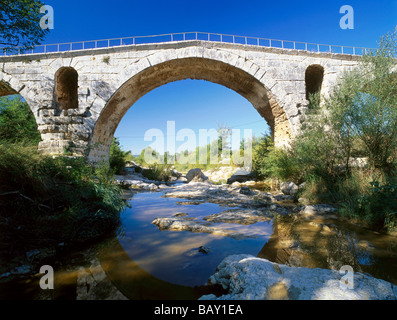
[301, 259]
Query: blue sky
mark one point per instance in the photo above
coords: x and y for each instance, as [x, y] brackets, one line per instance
[199, 104]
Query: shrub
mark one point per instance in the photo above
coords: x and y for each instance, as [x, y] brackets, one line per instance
[44, 201]
[158, 172]
[117, 157]
[377, 206]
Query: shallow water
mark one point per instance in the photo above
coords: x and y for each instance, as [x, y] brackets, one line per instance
[143, 262]
[174, 255]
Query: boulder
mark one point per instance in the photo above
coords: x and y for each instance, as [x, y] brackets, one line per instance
[289, 188]
[247, 191]
[196, 175]
[246, 277]
[240, 176]
[175, 173]
[317, 209]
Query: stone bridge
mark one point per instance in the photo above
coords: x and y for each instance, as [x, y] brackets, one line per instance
[79, 97]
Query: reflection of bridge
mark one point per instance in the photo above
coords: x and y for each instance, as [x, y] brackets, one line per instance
[79, 93]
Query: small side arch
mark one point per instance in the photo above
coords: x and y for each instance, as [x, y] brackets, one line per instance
[314, 76]
[66, 86]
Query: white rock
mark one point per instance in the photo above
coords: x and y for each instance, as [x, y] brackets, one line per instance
[250, 278]
[289, 188]
[320, 209]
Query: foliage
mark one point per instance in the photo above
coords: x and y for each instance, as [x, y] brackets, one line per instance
[117, 157]
[377, 205]
[158, 172]
[17, 122]
[269, 161]
[20, 24]
[364, 105]
[44, 201]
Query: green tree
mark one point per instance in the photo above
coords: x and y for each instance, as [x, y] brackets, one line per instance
[17, 122]
[364, 104]
[20, 24]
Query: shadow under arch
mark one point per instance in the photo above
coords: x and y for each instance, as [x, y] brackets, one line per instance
[155, 76]
[137, 284]
[6, 90]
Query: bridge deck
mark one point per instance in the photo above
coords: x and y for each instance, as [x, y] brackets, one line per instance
[188, 36]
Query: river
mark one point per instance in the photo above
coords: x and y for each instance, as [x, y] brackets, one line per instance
[143, 262]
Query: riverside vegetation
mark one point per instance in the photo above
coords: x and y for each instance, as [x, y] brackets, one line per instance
[46, 201]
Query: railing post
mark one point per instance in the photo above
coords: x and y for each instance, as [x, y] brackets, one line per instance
[270, 43]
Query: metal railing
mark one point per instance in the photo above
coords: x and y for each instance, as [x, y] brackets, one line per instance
[187, 36]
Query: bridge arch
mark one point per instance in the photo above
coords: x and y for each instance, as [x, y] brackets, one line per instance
[15, 87]
[11, 85]
[197, 68]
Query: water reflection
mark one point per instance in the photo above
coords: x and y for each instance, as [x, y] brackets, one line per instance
[174, 256]
[331, 244]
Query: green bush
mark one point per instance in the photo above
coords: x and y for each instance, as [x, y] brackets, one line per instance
[158, 172]
[377, 206]
[117, 157]
[44, 201]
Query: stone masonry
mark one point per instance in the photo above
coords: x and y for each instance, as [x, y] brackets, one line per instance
[79, 97]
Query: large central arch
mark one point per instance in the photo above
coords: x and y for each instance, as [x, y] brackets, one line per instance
[210, 70]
